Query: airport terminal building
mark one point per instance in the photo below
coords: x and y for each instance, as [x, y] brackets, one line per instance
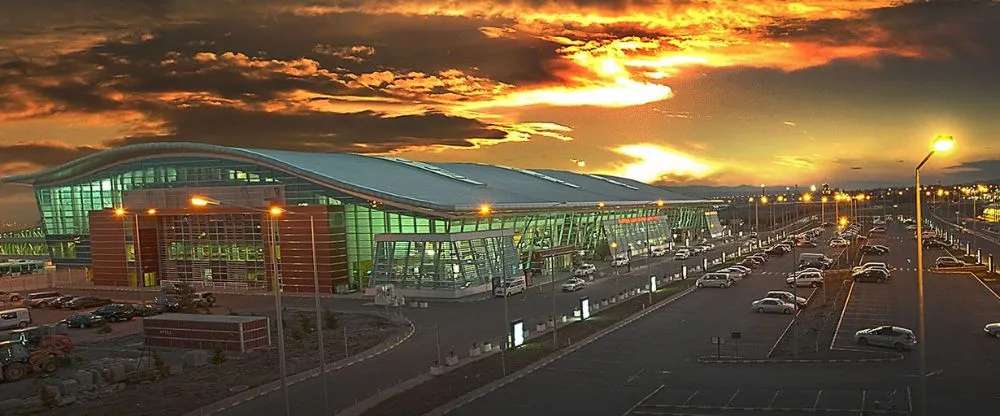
[150, 213]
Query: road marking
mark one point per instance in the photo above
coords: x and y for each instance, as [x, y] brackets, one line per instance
[909, 399]
[840, 322]
[634, 376]
[773, 398]
[640, 402]
[690, 397]
[733, 397]
[818, 395]
[988, 288]
[864, 393]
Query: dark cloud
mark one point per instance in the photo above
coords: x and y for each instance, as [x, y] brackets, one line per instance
[36, 154]
[975, 171]
[315, 131]
[956, 29]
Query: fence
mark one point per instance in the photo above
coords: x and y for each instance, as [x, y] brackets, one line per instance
[51, 278]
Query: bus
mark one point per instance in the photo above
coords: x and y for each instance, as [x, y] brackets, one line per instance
[20, 267]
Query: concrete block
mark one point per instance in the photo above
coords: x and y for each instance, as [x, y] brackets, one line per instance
[117, 372]
[451, 360]
[99, 378]
[437, 370]
[70, 386]
[174, 369]
[85, 380]
[67, 400]
[53, 390]
[196, 358]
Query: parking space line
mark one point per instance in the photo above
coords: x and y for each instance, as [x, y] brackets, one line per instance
[818, 395]
[731, 398]
[640, 402]
[773, 398]
[988, 288]
[864, 393]
[909, 399]
[841, 321]
[690, 397]
[634, 376]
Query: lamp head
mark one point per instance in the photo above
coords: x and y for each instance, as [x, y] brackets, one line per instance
[201, 201]
[151, 211]
[119, 211]
[485, 209]
[275, 211]
[943, 143]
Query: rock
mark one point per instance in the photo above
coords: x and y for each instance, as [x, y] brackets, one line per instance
[197, 358]
[67, 400]
[53, 390]
[33, 401]
[117, 372]
[11, 404]
[85, 380]
[99, 377]
[70, 386]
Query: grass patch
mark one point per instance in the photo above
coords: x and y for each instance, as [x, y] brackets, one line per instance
[447, 387]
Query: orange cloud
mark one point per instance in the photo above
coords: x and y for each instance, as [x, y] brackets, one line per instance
[654, 163]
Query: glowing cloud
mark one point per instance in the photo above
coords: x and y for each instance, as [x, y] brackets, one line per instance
[654, 163]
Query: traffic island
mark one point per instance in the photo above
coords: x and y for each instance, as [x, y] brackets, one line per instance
[480, 373]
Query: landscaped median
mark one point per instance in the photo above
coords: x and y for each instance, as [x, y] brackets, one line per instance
[487, 368]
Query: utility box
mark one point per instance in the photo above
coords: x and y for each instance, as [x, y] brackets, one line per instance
[207, 332]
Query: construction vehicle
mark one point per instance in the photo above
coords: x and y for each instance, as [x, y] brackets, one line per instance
[16, 361]
[42, 337]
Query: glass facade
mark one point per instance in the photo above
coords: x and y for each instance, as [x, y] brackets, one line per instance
[189, 244]
[427, 263]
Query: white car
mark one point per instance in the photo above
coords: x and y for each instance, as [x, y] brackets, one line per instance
[733, 273]
[887, 336]
[574, 284]
[911, 227]
[658, 252]
[744, 269]
[772, 305]
[620, 262]
[682, 254]
[993, 330]
[806, 270]
[584, 270]
[788, 297]
[811, 279]
[839, 242]
[714, 280]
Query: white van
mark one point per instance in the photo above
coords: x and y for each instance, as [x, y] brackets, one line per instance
[512, 286]
[14, 318]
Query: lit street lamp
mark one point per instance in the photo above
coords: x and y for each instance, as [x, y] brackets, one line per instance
[940, 144]
[201, 201]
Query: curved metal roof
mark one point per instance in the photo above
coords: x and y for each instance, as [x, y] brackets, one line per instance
[446, 187]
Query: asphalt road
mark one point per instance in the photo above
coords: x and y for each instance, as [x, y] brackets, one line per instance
[649, 367]
[458, 325]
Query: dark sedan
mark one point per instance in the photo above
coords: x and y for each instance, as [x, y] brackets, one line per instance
[871, 275]
[88, 320]
[930, 244]
[116, 312]
[874, 250]
[86, 302]
[807, 244]
[59, 302]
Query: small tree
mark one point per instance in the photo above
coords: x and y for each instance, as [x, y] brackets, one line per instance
[306, 322]
[161, 367]
[329, 319]
[186, 298]
[104, 328]
[218, 356]
[49, 399]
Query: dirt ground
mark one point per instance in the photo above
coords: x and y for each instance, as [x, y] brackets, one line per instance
[196, 387]
[817, 322]
[447, 387]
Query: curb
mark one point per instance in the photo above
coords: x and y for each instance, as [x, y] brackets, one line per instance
[489, 388]
[797, 410]
[273, 386]
[713, 360]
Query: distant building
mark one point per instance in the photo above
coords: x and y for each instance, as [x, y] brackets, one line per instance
[991, 213]
[431, 230]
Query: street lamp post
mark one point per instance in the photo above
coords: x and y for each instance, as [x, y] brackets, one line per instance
[940, 144]
[279, 314]
[487, 211]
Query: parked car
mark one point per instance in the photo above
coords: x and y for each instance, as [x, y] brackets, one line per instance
[682, 254]
[83, 320]
[806, 244]
[116, 312]
[733, 272]
[574, 284]
[806, 270]
[874, 250]
[714, 280]
[933, 243]
[810, 279]
[10, 296]
[86, 302]
[748, 263]
[839, 243]
[620, 262]
[772, 305]
[788, 297]
[167, 303]
[746, 270]
[658, 252]
[993, 330]
[871, 275]
[879, 230]
[57, 303]
[174, 288]
[947, 261]
[143, 310]
[584, 270]
[887, 336]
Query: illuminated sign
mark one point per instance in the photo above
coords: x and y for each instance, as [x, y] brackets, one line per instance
[517, 333]
[638, 219]
[584, 308]
[652, 283]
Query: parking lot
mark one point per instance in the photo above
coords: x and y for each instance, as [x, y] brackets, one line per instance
[754, 401]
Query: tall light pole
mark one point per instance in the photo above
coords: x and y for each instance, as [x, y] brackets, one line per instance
[487, 211]
[940, 144]
[823, 210]
[272, 213]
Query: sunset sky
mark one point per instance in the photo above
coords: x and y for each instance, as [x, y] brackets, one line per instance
[679, 92]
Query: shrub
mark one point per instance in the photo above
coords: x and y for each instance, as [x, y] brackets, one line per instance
[305, 322]
[218, 356]
[329, 319]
